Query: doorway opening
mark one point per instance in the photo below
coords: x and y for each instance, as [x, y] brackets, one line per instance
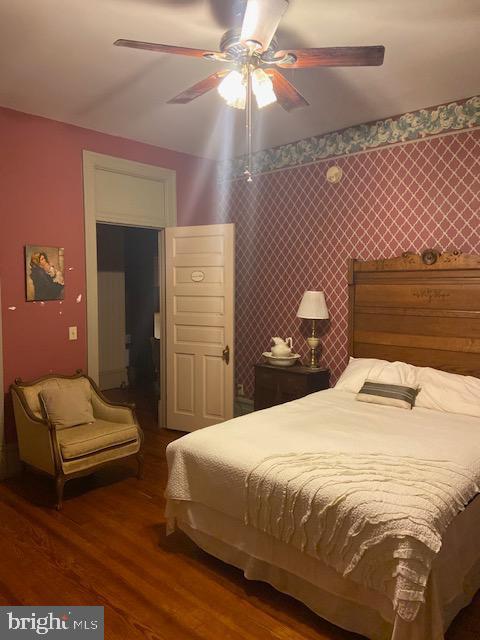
[129, 317]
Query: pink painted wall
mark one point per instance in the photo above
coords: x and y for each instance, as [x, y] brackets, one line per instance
[296, 231]
[41, 188]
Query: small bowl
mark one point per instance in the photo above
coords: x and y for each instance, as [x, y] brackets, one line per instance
[286, 361]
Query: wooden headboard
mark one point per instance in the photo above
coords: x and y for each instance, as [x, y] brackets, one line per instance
[421, 309]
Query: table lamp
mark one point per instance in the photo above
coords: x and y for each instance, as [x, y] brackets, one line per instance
[313, 307]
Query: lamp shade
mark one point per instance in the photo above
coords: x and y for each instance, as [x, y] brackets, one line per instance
[313, 306]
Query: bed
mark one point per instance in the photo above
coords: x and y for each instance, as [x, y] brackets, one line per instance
[364, 512]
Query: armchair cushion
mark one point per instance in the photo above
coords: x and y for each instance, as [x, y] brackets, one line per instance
[31, 392]
[68, 406]
[86, 439]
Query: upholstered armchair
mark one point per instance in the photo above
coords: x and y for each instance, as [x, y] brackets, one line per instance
[66, 428]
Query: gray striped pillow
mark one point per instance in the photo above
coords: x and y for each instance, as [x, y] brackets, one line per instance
[393, 395]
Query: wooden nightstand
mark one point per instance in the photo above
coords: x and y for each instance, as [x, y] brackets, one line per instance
[276, 385]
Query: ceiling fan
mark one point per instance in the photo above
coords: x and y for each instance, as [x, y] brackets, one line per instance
[253, 53]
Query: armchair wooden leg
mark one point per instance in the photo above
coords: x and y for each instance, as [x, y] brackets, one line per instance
[140, 462]
[59, 484]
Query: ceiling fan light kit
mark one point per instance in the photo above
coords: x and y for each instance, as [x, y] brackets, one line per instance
[233, 88]
[253, 53]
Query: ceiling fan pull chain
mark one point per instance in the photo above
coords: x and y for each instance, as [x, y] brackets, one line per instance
[248, 122]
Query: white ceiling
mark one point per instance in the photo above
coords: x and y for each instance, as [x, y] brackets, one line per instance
[57, 60]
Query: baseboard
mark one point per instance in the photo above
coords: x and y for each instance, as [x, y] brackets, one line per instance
[9, 461]
[243, 406]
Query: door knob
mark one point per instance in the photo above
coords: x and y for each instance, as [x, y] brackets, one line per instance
[226, 354]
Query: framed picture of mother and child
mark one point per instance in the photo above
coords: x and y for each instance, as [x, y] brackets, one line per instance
[44, 273]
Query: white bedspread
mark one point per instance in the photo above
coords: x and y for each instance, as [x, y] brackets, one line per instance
[368, 489]
[338, 506]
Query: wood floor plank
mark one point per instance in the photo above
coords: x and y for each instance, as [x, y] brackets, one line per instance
[108, 547]
[47, 583]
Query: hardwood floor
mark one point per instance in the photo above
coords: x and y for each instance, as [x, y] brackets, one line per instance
[108, 547]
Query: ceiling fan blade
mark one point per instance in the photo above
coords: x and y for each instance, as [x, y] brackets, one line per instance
[197, 90]
[261, 20]
[333, 57]
[287, 96]
[163, 48]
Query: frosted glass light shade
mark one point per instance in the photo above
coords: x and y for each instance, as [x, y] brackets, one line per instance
[263, 88]
[233, 90]
[313, 306]
[261, 20]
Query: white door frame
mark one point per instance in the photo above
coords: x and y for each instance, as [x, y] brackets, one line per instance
[162, 403]
[93, 162]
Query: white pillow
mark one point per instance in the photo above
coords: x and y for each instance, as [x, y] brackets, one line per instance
[68, 406]
[449, 392]
[359, 369]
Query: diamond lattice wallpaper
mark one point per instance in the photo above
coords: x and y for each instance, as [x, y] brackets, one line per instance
[295, 231]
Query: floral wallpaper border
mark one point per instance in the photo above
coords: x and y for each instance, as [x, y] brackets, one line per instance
[409, 126]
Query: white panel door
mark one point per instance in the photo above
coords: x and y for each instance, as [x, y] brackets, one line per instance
[200, 294]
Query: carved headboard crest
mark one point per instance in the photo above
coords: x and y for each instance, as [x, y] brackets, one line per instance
[412, 261]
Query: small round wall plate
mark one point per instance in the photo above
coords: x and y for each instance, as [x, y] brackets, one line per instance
[334, 174]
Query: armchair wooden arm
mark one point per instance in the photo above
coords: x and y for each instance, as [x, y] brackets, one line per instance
[34, 435]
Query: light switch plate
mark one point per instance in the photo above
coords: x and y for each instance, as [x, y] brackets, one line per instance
[72, 333]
